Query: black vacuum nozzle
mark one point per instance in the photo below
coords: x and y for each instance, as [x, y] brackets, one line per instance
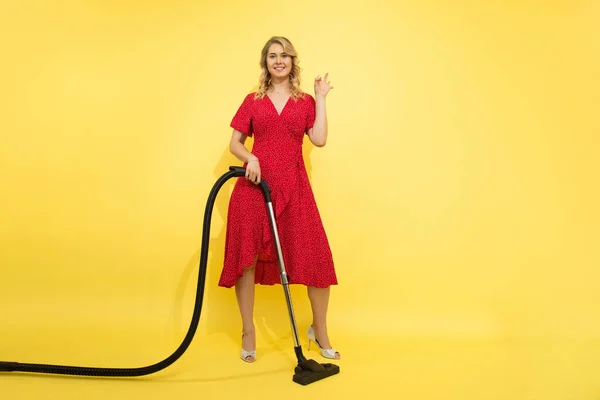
[310, 371]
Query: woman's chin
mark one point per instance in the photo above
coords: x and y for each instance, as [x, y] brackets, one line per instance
[280, 75]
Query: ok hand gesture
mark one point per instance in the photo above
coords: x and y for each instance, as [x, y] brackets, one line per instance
[322, 85]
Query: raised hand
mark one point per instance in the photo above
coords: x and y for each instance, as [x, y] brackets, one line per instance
[322, 85]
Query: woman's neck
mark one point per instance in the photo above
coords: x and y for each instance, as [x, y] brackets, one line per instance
[281, 86]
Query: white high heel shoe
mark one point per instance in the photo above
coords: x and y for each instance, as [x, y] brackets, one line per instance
[245, 354]
[327, 353]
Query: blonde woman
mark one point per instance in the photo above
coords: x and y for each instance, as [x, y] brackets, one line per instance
[279, 115]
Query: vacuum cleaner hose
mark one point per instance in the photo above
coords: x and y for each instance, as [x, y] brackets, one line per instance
[6, 366]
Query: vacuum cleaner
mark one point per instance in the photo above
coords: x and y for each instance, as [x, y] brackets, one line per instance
[306, 371]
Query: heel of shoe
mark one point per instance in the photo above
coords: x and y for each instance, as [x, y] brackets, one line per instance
[311, 337]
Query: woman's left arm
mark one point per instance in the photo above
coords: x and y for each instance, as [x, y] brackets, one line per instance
[318, 133]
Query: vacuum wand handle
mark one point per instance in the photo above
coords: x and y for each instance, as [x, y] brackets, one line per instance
[241, 171]
[238, 171]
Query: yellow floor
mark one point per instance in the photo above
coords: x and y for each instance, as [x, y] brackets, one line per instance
[377, 366]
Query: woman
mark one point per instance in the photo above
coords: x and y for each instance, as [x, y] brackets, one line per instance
[278, 115]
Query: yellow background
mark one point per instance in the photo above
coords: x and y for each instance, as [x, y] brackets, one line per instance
[459, 189]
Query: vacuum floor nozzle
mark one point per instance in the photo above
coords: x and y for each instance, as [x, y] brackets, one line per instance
[310, 371]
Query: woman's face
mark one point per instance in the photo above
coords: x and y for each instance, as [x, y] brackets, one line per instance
[279, 64]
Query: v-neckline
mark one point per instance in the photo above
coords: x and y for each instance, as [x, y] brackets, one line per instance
[275, 108]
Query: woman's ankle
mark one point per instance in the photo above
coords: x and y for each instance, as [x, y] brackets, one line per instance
[248, 331]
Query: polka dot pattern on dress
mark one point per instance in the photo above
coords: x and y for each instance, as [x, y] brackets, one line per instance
[278, 140]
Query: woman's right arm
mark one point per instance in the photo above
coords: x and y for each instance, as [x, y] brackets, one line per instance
[237, 148]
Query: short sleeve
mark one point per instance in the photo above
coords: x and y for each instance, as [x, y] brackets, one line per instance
[310, 112]
[242, 120]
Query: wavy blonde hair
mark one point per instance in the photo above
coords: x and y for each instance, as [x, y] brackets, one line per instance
[265, 77]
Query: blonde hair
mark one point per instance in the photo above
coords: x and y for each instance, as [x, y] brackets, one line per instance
[265, 77]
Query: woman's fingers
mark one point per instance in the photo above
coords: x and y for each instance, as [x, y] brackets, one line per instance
[253, 174]
[256, 176]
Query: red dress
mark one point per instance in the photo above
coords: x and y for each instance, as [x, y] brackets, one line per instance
[278, 142]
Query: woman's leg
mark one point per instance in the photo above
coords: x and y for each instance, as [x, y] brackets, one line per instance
[319, 301]
[244, 290]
